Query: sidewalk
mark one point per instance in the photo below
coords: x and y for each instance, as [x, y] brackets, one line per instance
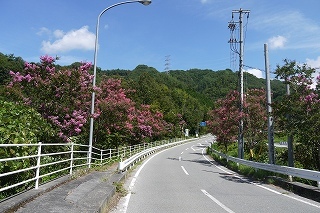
[89, 193]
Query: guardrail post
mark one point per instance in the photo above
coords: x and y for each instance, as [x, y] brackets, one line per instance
[38, 165]
[71, 159]
[110, 153]
[290, 178]
[101, 156]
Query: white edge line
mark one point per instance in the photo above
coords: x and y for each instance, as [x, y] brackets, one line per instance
[133, 181]
[266, 188]
[297, 199]
[217, 201]
[127, 197]
[185, 171]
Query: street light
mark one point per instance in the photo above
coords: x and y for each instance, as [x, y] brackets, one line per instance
[144, 2]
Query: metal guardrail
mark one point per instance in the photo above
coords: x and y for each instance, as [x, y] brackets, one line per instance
[42, 162]
[295, 172]
[124, 165]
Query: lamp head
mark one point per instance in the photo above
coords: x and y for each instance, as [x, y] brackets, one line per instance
[145, 2]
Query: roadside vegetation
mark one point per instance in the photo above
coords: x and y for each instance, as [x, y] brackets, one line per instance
[45, 102]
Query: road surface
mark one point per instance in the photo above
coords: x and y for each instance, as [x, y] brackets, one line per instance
[184, 179]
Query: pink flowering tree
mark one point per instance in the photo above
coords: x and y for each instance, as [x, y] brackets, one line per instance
[121, 121]
[60, 96]
[148, 124]
[114, 111]
[224, 119]
[255, 122]
[303, 106]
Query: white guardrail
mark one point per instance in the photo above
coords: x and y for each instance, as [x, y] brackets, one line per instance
[124, 165]
[291, 171]
[26, 166]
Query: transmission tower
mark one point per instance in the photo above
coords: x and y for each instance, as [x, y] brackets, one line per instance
[167, 64]
[237, 46]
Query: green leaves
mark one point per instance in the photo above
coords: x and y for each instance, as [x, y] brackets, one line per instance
[20, 124]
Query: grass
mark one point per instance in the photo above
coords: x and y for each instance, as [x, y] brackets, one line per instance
[120, 189]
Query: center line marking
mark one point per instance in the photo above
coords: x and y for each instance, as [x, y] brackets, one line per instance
[217, 201]
[185, 171]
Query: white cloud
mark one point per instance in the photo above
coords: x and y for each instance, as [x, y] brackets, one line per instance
[255, 72]
[205, 1]
[58, 33]
[277, 42]
[43, 30]
[81, 39]
[313, 63]
[302, 30]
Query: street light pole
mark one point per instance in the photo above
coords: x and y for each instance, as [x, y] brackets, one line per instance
[144, 2]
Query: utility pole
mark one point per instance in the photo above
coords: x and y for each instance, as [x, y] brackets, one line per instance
[233, 26]
[269, 108]
[290, 137]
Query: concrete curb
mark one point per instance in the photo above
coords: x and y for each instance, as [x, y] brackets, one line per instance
[303, 190]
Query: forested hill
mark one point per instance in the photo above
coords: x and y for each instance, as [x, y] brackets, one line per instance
[204, 85]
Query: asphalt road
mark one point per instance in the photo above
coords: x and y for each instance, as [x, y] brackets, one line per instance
[183, 179]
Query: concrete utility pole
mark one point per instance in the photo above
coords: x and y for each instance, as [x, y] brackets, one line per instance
[290, 138]
[232, 27]
[269, 108]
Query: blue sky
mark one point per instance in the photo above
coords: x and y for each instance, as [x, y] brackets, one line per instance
[193, 32]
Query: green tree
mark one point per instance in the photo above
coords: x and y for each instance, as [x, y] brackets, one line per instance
[7, 63]
[303, 106]
[20, 124]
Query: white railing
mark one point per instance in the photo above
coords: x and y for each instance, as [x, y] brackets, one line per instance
[290, 171]
[125, 164]
[34, 164]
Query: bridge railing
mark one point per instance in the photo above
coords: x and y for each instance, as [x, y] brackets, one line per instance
[26, 166]
[290, 171]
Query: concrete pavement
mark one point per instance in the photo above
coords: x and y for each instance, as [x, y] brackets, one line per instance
[89, 193]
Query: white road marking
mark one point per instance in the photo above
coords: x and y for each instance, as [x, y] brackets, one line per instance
[133, 181]
[217, 201]
[219, 167]
[303, 201]
[185, 171]
[180, 158]
[181, 153]
[124, 205]
[263, 187]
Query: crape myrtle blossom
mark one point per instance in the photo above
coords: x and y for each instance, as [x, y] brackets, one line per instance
[224, 119]
[61, 96]
[119, 115]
